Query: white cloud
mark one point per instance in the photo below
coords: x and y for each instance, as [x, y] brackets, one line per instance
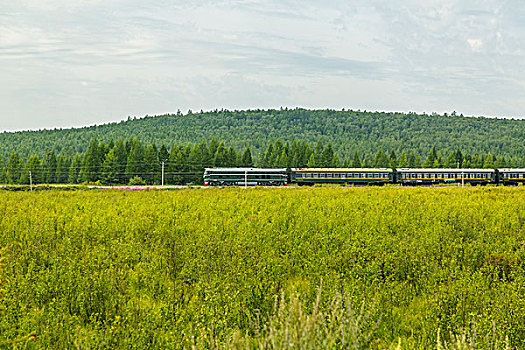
[104, 60]
[476, 44]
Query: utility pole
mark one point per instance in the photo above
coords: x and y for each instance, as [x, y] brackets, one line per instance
[162, 173]
[30, 180]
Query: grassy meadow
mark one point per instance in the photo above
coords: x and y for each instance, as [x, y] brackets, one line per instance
[309, 268]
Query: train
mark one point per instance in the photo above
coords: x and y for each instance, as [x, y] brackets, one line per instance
[360, 176]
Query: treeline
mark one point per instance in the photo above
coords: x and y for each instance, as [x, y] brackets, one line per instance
[123, 162]
[132, 161]
[348, 131]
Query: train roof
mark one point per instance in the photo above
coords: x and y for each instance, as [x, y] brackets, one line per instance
[443, 170]
[268, 170]
[339, 170]
[511, 170]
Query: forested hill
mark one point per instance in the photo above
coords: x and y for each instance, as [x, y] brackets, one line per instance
[347, 131]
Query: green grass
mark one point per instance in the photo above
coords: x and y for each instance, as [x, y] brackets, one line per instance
[323, 267]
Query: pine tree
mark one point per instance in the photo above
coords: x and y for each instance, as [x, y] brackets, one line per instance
[151, 165]
[63, 164]
[276, 153]
[403, 162]
[328, 156]
[417, 161]
[164, 155]
[450, 162]
[74, 170]
[393, 159]
[110, 166]
[13, 168]
[367, 162]
[92, 162]
[246, 160]
[311, 162]
[489, 162]
[214, 144]
[135, 163]
[267, 159]
[283, 160]
[232, 157]
[220, 158]
[411, 160]
[3, 175]
[318, 154]
[432, 156]
[381, 160]
[477, 161]
[356, 162]
[50, 166]
[175, 169]
[120, 162]
[34, 165]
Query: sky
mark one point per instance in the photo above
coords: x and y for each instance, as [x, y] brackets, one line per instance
[71, 63]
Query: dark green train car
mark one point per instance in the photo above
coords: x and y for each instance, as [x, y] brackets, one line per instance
[245, 177]
[358, 176]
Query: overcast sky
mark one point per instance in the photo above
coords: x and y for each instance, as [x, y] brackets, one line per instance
[70, 63]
